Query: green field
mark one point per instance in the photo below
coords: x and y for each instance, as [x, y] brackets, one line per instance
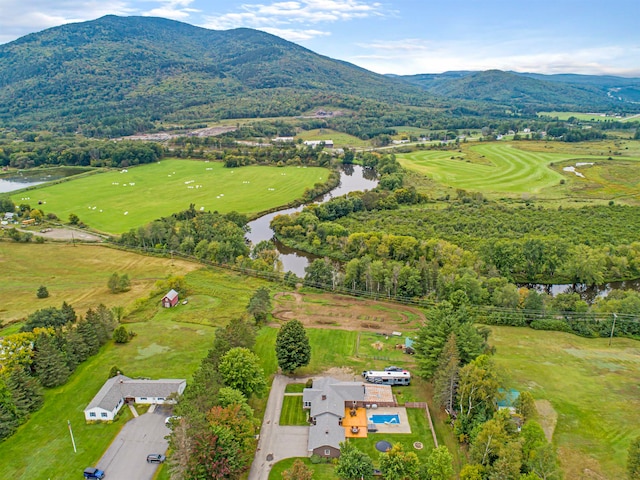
[117, 201]
[75, 274]
[497, 168]
[594, 388]
[339, 139]
[588, 117]
[164, 347]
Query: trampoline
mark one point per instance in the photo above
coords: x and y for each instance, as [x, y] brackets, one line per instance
[383, 446]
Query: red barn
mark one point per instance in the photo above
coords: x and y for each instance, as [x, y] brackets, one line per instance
[170, 299]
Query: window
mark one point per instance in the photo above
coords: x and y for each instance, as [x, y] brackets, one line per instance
[104, 415]
[307, 404]
[92, 414]
[327, 452]
[160, 399]
[142, 399]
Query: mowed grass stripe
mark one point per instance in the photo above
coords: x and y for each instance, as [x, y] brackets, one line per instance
[511, 170]
[117, 201]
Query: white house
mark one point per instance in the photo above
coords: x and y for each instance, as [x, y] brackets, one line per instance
[315, 143]
[120, 390]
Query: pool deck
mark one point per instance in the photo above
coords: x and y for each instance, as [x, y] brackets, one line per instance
[402, 427]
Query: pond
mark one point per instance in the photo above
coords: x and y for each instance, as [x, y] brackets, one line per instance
[353, 178]
[29, 178]
[588, 293]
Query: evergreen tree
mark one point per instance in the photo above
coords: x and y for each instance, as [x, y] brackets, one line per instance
[121, 335]
[445, 381]
[89, 336]
[49, 363]
[25, 391]
[292, 346]
[42, 292]
[9, 415]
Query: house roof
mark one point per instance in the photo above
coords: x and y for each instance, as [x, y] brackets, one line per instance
[329, 395]
[120, 386]
[326, 432]
[171, 295]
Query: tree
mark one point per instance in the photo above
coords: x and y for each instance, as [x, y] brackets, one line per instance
[25, 391]
[396, 464]
[298, 471]
[117, 283]
[237, 333]
[439, 465]
[42, 292]
[260, 304]
[353, 464]
[49, 362]
[124, 284]
[292, 346]
[121, 335]
[74, 219]
[240, 369]
[526, 405]
[633, 460]
[445, 381]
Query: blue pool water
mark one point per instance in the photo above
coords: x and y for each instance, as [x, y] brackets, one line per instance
[384, 419]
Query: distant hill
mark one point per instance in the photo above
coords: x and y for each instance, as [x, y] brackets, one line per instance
[117, 69]
[534, 91]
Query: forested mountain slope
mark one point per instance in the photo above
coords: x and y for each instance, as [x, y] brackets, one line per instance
[124, 68]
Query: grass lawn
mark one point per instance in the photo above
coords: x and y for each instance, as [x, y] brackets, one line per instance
[117, 201]
[594, 388]
[323, 471]
[419, 433]
[165, 347]
[75, 274]
[340, 140]
[292, 412]
[295, 388]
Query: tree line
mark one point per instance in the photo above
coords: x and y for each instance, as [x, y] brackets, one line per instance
[51, 344]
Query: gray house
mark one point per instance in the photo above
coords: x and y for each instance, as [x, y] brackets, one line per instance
[120, 390]
[329, 401]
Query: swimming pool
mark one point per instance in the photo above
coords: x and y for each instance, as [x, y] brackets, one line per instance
[384, 419]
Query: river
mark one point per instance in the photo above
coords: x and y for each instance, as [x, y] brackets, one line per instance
[353, 178]
[29, 178]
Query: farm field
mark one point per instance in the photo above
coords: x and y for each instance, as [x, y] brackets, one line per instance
[594, 388]
[500, 169]
[116, 201]
[339, 139]
[164, 347]
[75, 274]
[587, 117]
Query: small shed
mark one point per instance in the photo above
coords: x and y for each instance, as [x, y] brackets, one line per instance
[170, 299]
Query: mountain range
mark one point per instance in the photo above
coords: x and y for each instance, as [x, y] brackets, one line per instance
[142, 69]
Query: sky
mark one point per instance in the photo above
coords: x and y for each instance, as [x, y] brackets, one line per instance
[402, 37]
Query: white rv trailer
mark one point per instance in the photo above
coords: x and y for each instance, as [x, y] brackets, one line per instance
[387, 378]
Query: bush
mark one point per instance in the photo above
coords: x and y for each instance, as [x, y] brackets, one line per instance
[42, 292]
[551, 324]
[121, 335]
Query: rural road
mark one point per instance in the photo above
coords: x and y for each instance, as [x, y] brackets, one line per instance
[276, 442]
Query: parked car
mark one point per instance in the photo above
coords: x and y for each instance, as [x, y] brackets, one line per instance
[393, 369]
[93, 472]
[155, 458]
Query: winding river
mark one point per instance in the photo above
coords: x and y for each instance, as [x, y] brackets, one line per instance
[353, 178]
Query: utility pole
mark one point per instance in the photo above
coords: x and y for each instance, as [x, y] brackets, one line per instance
[615, 316]
[72, 439]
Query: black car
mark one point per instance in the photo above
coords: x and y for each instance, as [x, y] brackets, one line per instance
[155, 458]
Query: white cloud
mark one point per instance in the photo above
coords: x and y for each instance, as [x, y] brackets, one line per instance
[19, 17]
[306, 12]
[173, 9]
[295, 35]
[412, 56]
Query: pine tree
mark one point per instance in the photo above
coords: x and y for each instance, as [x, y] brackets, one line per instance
[445, 381]
[292, 346]
[68, 312]
[25, 390]
[89, 336]
[42, 292]
[49, 363]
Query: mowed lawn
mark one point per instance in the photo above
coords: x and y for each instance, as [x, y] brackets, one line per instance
[164, 347]
[503, 169]
[116, 201]
[594, 388]
[75, 274]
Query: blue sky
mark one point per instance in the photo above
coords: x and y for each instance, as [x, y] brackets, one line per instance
[398, 36]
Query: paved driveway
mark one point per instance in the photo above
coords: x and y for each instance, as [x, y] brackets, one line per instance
[277, 443]
[126, 457]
